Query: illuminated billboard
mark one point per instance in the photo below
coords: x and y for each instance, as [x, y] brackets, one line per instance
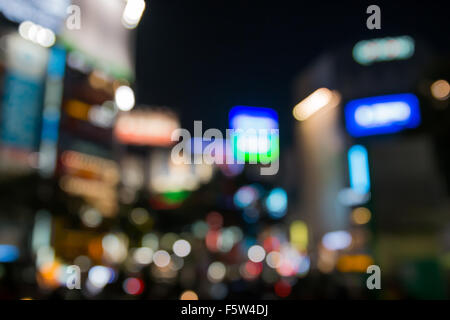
[49, 13]
[146, 128]
[385, 49]
[382, 114]
[255, 133]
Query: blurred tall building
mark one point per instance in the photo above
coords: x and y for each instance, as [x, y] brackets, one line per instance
[408, 200]
[61, 64]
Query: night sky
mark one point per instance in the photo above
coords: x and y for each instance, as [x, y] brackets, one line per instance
[201, 57]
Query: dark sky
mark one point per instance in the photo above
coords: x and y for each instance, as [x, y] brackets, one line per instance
[201, 57]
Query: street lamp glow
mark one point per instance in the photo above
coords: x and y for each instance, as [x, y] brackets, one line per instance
[440, 89]
[24, 29]
[45, 37]
[124, 98]
[37, 34]
[317, 100]
[133, 13]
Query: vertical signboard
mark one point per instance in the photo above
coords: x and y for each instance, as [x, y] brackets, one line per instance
[51, 112]
[22, 101]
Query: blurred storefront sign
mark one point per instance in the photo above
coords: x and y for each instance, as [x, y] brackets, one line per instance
[92, 178]
[24, 87]
[70, 243]
[102, 116]
[382, 114]
[26, 65]
[166, 176]
[146, 128]
[92, 167]
[358, 167]
[48, 13]
[21, 112]
[386, 49]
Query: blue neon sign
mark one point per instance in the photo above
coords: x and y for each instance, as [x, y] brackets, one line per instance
[382, 114]
[358, 165]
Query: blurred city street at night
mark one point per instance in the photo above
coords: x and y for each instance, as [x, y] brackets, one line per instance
[217, 150]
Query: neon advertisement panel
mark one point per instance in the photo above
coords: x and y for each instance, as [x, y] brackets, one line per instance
[367, 52]
[256, 133]
[358, 165]
[382, 114]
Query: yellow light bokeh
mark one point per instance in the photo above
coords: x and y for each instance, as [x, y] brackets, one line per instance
[299, 235]
[361, 215]
[316, 101]
[354, 263]
[189, 295]
[440, 89]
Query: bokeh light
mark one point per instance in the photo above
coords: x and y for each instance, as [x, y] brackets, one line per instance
[256, 253]
[161, 258]
[276, 203]
[216, 272]
[124, 98]
[133, 286]
[181, 248]
[361, 215]
[337, 240]
[100, 276]
[440, 89]
[188, 295]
